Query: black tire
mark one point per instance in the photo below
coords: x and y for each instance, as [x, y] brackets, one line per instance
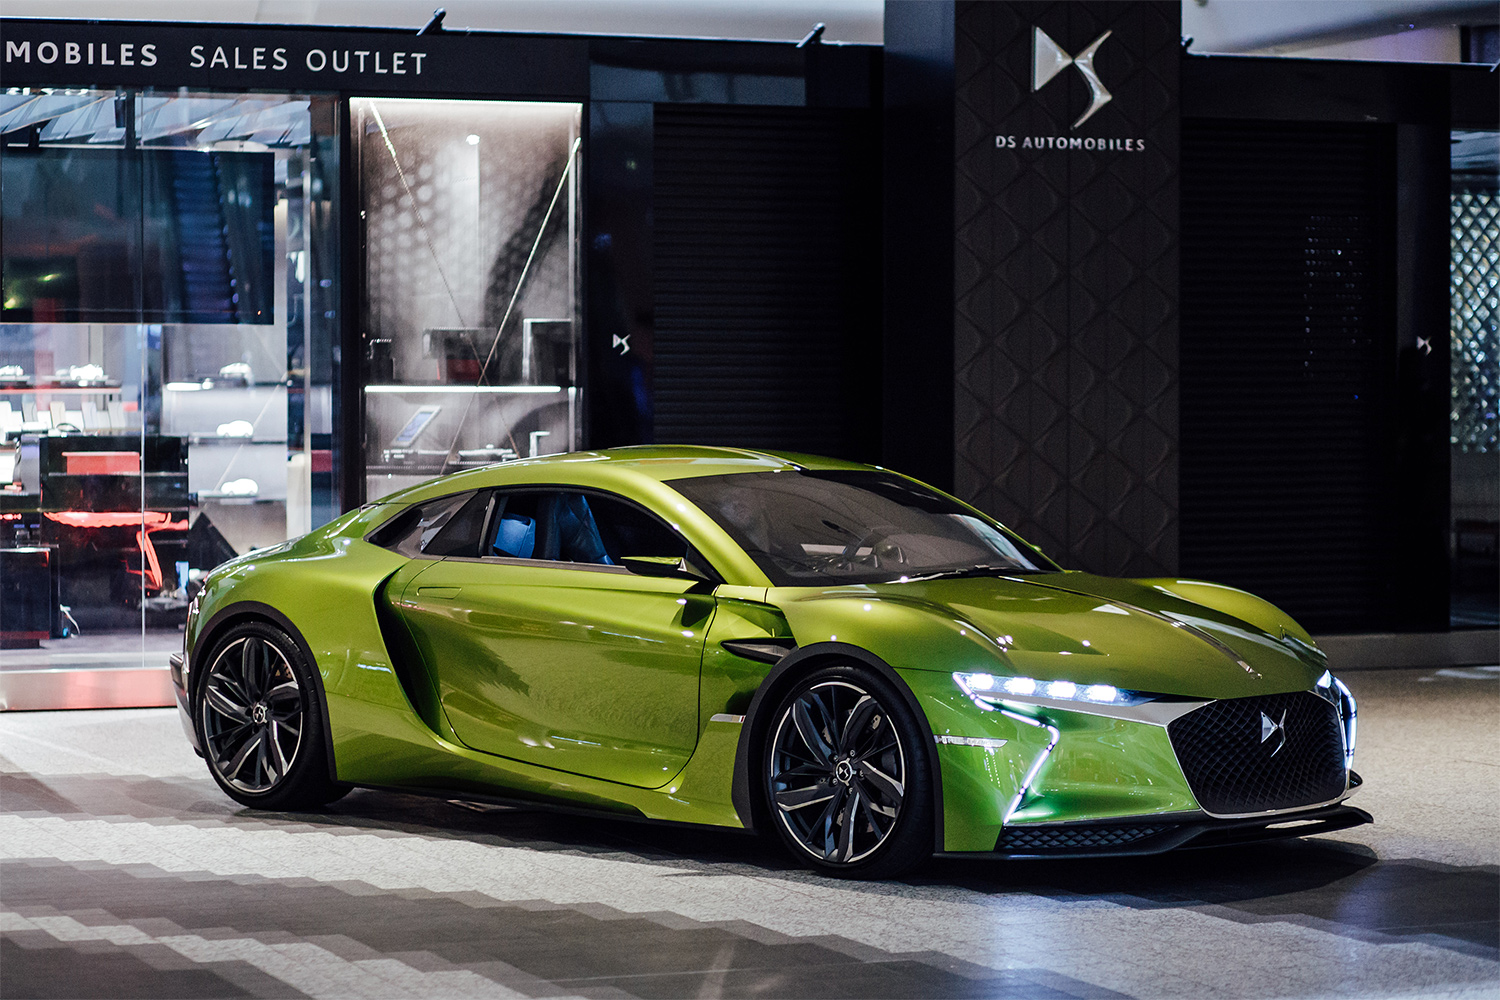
[258, 711]
[845, 775]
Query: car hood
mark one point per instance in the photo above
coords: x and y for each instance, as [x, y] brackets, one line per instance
[1088, 629]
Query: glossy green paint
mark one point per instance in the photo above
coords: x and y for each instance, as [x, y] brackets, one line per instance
[595, 687]
[322, 583]
[592, 670]
[1097, 767]
[325, 584]
[730, 681]
[1051, 628]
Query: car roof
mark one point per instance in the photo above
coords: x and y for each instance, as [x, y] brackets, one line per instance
[620, 469]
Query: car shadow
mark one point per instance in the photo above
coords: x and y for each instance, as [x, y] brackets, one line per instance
[1324, 883]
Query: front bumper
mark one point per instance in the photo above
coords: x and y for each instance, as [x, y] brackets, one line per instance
[1051, 779]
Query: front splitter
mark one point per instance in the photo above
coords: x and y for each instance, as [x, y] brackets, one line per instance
[1118, 838]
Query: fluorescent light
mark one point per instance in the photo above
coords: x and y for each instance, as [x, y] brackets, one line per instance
[463, 388]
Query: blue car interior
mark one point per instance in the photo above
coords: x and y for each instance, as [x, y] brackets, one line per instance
[515, 536]
[563, 529]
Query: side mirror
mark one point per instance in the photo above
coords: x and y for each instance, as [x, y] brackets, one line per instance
[668, 566]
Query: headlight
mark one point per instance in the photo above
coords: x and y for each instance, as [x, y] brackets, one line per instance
[1330, 687]
[987, 690]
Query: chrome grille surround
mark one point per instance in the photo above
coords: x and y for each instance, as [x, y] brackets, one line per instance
[1264, 754]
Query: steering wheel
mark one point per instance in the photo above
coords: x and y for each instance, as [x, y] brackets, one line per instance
[889, 551]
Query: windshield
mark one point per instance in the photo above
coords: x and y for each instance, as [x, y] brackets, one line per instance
[809, 528]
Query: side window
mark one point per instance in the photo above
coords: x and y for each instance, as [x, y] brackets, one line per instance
[553, 525]
[567, 526]
[438, 527]
[575, 531]
[626, 530]
[514, 528]
[460, 535]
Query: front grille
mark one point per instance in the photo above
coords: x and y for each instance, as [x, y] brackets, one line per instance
[1232, 769]
[1040, 839]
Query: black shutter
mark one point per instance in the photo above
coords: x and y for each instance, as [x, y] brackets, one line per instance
[767, 288]
[1288, 350]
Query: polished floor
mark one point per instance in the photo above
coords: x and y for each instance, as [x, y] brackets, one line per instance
[125, 873]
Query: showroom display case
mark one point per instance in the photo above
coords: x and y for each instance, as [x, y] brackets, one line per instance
[469, 212]
[162, 398]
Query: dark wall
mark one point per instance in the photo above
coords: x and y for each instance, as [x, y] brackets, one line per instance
[1315, 341]
[767, 317]
[1065, 340]
[1288, 368]
[917, 384]
[1058, 322]
[731, 254]
[1286, 431]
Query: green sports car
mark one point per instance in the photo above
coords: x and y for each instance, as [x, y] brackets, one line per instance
[834, 652]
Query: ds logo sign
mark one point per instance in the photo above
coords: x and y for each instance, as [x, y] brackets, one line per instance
[1048, 59]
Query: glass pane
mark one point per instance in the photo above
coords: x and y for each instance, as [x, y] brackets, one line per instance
[629, 532]
[808, 528]
[164, 386]
[1474, 311]
[470, 214]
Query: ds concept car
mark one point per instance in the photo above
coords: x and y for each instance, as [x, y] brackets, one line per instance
[837, 653]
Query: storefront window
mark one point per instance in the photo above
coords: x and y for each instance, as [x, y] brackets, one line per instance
[470, 325]
[169, 279]
[1474, 313]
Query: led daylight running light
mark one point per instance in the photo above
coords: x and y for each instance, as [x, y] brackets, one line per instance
[1333, 689]
[987, 689]
[1348, 714]
[1016, 685]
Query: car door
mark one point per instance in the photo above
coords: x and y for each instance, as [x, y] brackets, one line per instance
[545, 649]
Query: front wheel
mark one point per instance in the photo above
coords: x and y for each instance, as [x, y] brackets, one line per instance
[260, 722]
[846, 775]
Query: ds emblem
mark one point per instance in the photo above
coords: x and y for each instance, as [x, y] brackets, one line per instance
[1048, 59]
[1270, 727]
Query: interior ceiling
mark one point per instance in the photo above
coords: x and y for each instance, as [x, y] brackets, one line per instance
[1216, 25]
[89, 117]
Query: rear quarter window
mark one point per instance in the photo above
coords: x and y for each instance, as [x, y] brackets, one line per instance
[447, 526]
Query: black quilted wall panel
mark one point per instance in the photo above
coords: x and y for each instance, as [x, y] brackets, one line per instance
[1066, 278]
[767, 286]
[1288, 368]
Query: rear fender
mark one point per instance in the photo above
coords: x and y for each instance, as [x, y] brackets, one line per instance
[242, 611]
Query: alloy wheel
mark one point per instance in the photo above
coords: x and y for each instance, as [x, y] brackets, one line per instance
[252, 712]
[837, 772]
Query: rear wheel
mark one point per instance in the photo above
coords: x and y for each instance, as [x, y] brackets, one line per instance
[846, 775]
[260, 721]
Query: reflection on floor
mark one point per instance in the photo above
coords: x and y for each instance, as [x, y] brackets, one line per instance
[1475, 608]
[124, 872]
[97, 650]
[95, 670]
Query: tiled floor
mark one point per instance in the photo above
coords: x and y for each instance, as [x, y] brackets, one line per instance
[124, 872]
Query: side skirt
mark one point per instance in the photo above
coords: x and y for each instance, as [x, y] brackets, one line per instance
[544, 805]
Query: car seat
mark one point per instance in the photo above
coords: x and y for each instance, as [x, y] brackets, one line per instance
[515, 536]
[571, 535]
